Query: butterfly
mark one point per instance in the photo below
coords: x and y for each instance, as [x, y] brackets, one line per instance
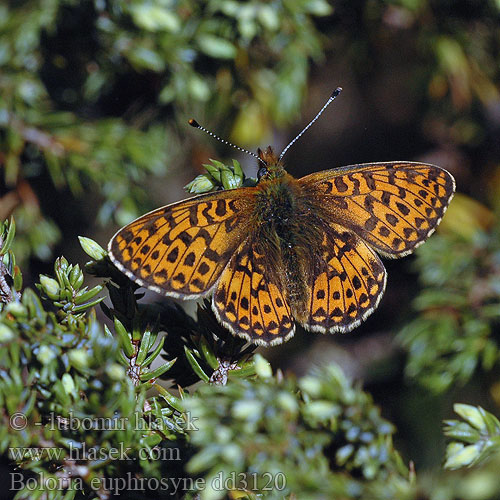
[287, 250]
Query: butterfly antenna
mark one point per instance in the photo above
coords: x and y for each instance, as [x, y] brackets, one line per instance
[195, 124]
[335, 93]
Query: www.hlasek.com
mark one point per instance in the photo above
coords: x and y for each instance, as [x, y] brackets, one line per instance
[80, 451]
[115, 485]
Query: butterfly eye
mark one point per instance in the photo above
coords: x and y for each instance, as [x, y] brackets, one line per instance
[262, 171]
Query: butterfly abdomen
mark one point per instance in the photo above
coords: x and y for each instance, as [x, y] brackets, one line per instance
[287, 230]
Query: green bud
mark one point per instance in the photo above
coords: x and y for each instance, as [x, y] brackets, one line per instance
[45, 355]
[247, 410]
[79, 358]
[262, 367]
[68, 384]
[470, 414]
[6, 334]
[76, 277]
[115, 371]
[321, 410]
[50, 287]
[287, 402]
[17, 309]
[311, 385]
[229, 180]
[460, 456]
[200, 184]
[92, 249]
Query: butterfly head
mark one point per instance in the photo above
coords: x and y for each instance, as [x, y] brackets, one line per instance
[269, 165]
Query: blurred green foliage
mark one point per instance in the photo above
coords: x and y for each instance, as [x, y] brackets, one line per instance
[94, 102]
[69, 68]
[455, 331]
[93, 95]
[320, 436]
[316, 437]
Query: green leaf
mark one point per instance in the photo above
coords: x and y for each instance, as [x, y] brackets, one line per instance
[7, 242]
[84, 295]
[216, 47]
[170, 398]
[92, 248]
[145, 58]
[6, 334]
[157, 372]
[208, 354]
[195, 365]
[155, 353]
[124, 338]
[460, 456]
[262, 367]
[200, 184]
[153, 17]
[470, 414]
[18, 279]
[143, 347]
[318, 7]
[87, 305]
[247, 370]
[229, 180]
[50, 287]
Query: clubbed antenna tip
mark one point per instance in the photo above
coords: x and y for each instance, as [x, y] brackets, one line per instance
[335, 93]
[195, 124]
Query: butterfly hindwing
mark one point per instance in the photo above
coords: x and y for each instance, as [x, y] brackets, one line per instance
[392, 206]
[346, 282]
[181, 249]
[248, 303]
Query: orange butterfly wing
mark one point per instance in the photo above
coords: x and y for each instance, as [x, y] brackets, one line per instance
[388, 207]
[346, 282]
[392, 206]
[248, 302]
[180, 250]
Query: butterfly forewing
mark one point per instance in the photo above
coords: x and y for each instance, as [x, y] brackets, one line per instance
[248, 303]
[346, 282]
[181, 249]
[392, 206]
